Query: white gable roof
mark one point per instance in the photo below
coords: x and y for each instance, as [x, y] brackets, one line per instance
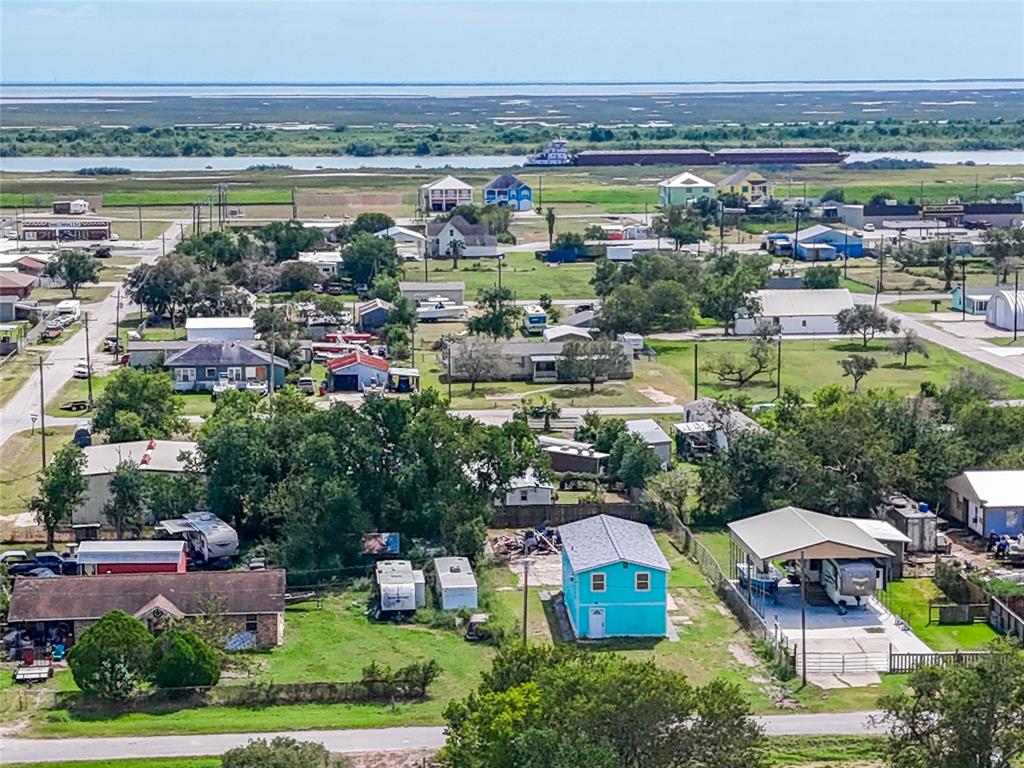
[803, 301]
[448, 182]
[998, 487]
[685, 180]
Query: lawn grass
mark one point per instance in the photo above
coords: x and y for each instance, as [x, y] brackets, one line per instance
[527, 277]
[855, 286]
[187, 197]
[164, 333]
[917, 306]
[809, 364]
[77, 389]
[20, 461]
[909, 599]
[14, 375]
[87, 294]
[823, 751]
[783, 752]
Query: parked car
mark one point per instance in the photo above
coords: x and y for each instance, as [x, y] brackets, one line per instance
[111, 344]
[45, 561]
[81, 370]
[13, 556]
[362, 290]
[306, 384]
[103, 252]
[83, 434]
[869, 227]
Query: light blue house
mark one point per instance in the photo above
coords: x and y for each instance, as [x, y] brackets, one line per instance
[508, 190]
[614, 579]
[977, 300]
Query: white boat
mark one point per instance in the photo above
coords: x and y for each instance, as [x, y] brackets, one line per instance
[557, 153]
[435, 308]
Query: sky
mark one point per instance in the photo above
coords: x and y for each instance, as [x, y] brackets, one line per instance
[508, 40]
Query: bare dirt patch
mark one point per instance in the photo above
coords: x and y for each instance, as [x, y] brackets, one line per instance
[657, 396]
[419, 758]
[744, 655]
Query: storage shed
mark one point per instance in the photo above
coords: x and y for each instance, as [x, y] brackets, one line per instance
[1006, 310]
[455, 583]
[149, 556]
[651, 433]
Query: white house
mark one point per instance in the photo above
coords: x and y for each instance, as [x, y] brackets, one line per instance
[330, 263]
[409, 243]
[444, 194]
[220, 329]
[455, 583]
[476, 241]
[988, 501]
[101, 461]
[528, 489]
[1002, 307]
[796, 311]
[651, 433]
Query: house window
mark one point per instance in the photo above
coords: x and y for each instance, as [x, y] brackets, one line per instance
[524, 495]
[597, 582]
[184, 375]
[643, 582]
[803, 323]
[211, 373]
[250, 622]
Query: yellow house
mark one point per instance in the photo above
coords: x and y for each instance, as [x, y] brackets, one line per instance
[750, 185]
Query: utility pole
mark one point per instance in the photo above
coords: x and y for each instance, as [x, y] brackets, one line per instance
[270, 381]
[540, 192]
[42, 410]
[778, 368]
[796, 232]
[88, 357]
[526, 594]
[803, 618]
[140, 222]
[963, 287]
[1016, 301]
[448, 349]
[696, 382]
[163, 244]
[117, 326]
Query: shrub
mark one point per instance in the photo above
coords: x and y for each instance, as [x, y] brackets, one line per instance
[281, 752]
[111, 658]
[180, 659]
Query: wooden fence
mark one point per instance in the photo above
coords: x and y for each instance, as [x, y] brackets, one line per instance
[958, 613]
[532, 515]
[908, 662]
[1005, 620]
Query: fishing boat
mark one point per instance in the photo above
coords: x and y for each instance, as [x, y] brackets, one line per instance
[557, 153]
[435, 308]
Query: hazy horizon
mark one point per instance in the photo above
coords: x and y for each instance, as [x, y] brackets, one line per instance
[534, 41]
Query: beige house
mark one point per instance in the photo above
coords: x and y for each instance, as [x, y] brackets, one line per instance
[444, 194]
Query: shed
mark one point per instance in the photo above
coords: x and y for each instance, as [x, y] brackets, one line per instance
[614, 579]
[373, 314]
[892, 539]
[418, 291]
[566, 333]
[913, 520]
[455, 583]
[651, 433]
[1006, 310]
[148, 556]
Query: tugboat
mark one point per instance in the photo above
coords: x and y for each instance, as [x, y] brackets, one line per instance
[557, 153]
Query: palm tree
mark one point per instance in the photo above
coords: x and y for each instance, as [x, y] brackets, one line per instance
[455, 248]
[550, 218]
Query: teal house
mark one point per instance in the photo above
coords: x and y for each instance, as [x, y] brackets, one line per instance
[977, 300]
[614, 579]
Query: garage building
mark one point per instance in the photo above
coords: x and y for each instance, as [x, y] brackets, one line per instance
[801, 311]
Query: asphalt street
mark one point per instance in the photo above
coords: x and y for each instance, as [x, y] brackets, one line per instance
[348, 741]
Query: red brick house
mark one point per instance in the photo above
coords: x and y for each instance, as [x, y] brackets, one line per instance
[251, 602]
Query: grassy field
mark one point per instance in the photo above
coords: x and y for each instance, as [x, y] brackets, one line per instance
[527, 277]
[14, 375]
[196, 403]
[89, 294]
[156, 762]
[809, 364]
[20, 460]
[909, 599]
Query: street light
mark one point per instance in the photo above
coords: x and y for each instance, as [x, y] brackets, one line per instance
[501, 259]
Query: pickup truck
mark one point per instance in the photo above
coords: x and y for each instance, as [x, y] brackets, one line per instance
[51, 561]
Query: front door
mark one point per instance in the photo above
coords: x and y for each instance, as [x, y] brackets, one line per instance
[596, 623]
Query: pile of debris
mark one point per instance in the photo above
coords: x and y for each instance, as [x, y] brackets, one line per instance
[542, 540]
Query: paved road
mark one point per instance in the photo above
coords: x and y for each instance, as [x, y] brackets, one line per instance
[976, 349]
[15, 413]
[498, 416]
[362, 740]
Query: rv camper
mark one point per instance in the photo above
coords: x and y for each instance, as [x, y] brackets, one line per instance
[850, 582]
[207, 537]
[399, 589]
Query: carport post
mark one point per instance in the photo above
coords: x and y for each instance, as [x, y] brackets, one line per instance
[803, 618]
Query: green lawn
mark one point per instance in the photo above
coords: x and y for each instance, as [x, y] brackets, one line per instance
[783, 752]
[187, 197]
[520, 272]
[14, 375]
[20, 460]
[918, 306]
[855, 286]
[77, 389]
[164, 333]
[89, 294]
[909, 599]
[808, 364]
